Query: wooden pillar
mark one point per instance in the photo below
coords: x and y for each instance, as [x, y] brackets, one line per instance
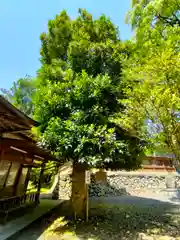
[28, 175]
[40, 181]
[27, 179]
[79, 191]
[17, 180]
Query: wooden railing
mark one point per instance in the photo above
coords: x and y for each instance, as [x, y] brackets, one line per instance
[18, 201]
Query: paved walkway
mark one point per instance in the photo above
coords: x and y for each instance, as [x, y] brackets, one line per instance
[167, 196]
[130, 200]
[163, 195]
[18, 224]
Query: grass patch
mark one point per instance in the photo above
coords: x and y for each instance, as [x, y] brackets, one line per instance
[32, 188]
[45, 190]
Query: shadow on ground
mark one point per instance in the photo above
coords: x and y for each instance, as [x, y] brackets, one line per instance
[107, 221]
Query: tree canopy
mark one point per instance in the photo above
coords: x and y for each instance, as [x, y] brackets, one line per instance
[153, 12]
[79, 92]
[153, 74]
[148, 16]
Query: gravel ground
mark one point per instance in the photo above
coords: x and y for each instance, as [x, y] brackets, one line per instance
[126, 217]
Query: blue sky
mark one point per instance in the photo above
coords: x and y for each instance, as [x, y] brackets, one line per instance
[22, 21]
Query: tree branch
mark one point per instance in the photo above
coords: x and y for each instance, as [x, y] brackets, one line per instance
[169, 21]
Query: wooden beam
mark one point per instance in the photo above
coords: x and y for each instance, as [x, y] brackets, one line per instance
[157, 158]
[11, 124]
[33, 165]
[29, 147]
[9, 109]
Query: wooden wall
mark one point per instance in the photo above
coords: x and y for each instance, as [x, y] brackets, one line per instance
[12, 174]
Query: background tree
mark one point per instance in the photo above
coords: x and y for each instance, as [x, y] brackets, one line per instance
[78, 97]
[152, 76]
[164, 12]
[21, 94]
[146, 17]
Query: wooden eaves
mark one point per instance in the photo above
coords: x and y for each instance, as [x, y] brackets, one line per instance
[15, 122]
[12, 119]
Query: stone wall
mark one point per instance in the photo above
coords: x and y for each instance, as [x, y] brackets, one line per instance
[132, 183]
[120, 183]
[63, 187]
[104, 187]
[138, 181]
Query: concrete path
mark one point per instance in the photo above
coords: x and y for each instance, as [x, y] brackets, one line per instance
[130, 200]
[142, 173]
[163, 195]
[169, 196]
[18, 224]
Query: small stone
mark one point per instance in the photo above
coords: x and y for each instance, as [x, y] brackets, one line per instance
[142, 236]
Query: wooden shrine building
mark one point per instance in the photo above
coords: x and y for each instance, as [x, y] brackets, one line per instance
[158, 164]
[18, 155]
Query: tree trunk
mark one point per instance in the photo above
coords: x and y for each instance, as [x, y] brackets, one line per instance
[79, 191]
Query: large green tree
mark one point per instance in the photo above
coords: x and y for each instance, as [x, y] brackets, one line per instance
[79, 91]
